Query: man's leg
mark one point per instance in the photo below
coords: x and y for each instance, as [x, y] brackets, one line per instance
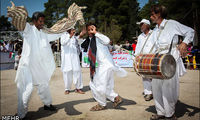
[147, 89]
[157, 95]
[24, 89]
[67, 76]
[170, 95]
[110, 94]
[45, 96]
[77, 78]
[98, 86]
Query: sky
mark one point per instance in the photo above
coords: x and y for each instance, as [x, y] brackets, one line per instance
[36, 5]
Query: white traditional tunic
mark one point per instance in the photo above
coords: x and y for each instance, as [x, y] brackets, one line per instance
[144, 46]
[70, 62]
[166, 92]
[102, 86]
[36, 67]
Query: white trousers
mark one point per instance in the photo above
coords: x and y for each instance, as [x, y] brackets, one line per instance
[102, 86]
[24, 97]
[25, 88]
[147, 86]
[74, 76]
[166, 93]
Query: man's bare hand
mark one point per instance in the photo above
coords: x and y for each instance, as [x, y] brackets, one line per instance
[83, 32]
[93, 30]
[183, 49]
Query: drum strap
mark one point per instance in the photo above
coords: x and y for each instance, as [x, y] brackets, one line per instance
[158, 37]
[170, 48]
[141, 51]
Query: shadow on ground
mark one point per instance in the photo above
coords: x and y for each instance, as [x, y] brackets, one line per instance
[181, 109]
[70, 110]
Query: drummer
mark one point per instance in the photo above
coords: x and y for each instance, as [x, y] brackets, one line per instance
[143, 47]
[166, 92]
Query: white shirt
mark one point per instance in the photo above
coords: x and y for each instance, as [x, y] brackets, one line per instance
[103, 56]
[69, 53]
[170, 32]
[142, 38]
[36, 58]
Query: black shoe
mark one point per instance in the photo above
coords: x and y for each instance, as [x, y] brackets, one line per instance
[143, 93]
[50, 108]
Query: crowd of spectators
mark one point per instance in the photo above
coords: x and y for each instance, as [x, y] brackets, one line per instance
[10, 46]
[191, 60]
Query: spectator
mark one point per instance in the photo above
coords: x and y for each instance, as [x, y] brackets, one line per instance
[134, 45]
[127, 46]
[118, 47]
[111, 47]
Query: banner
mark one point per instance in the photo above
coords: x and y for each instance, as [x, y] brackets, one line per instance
[123, 59]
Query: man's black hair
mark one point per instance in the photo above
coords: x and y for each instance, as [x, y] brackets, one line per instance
[159, 9]
[89, 24]
[37, 15]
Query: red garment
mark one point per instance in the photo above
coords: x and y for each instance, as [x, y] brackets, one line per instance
[133, 46]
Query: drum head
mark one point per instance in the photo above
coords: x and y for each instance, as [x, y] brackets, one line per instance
[168, 67]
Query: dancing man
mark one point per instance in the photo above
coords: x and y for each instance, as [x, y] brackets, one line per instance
[166, 92]
[70, 63]
[37, 64]
[102, 81]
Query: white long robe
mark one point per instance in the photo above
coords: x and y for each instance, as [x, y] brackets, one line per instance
[36, 67]
[70, 62]
[166, 92]
[144, 39]
[102, 86]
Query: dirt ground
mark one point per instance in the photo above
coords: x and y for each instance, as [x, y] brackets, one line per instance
[76, 106]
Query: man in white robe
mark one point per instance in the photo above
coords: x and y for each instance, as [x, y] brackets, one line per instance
[102, 83]
[166, 92]
[143, 46]
[70, 63]
[36, 65]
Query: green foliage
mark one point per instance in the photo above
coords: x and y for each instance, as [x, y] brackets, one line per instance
[114, 31]
[5, 25]
[185, 11]
[115, 18]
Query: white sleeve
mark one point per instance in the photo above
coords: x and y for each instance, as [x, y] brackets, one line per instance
[27, 28]
[53, 37]
[185, 31]
[103, 39]
[64, 38]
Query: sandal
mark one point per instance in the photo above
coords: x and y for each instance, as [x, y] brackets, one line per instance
[157, 117]
[173, 117]
[97, 108]
[66, 92]
[79, 91]
[117, 102]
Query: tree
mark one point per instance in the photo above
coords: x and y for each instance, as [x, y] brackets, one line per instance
[54, 11]
[185, 11]
[5, 25]
[102, 12]
[114, 31]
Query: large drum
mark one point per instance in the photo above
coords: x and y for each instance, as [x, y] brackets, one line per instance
[159, 66]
